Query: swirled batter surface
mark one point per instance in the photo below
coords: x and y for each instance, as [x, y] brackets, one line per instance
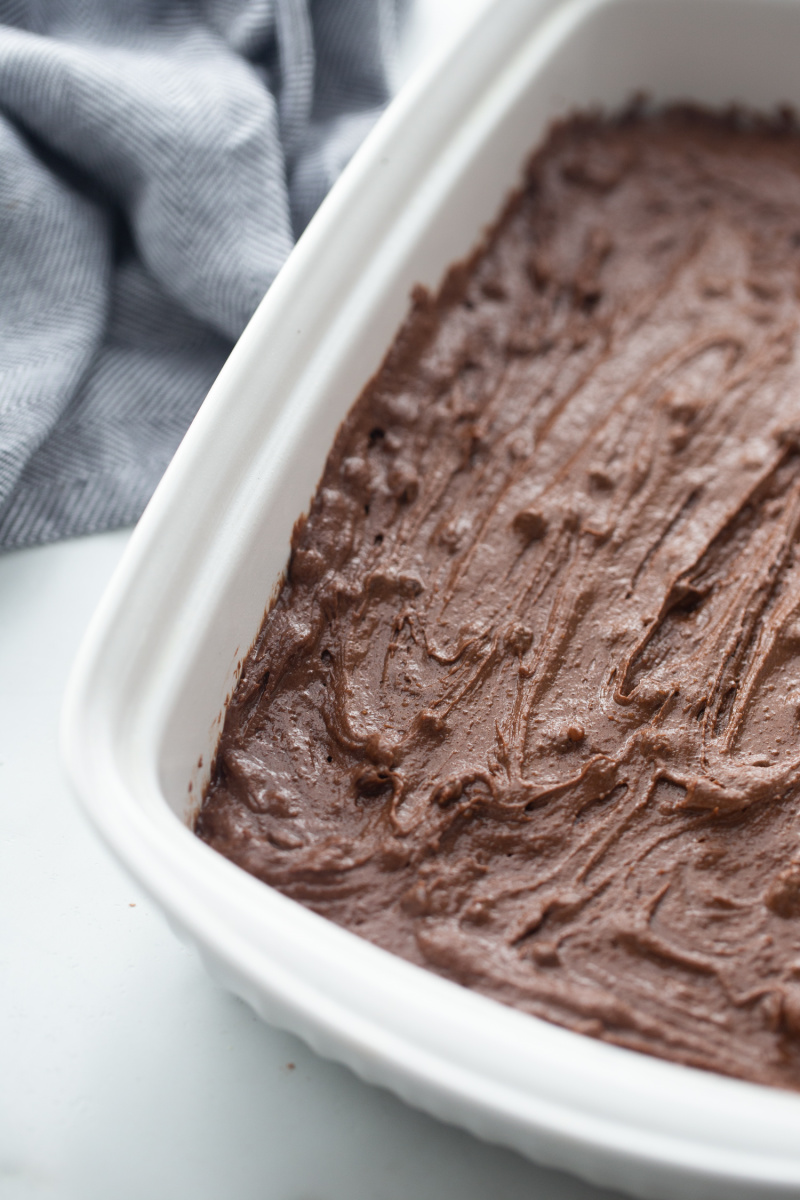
[526, 710]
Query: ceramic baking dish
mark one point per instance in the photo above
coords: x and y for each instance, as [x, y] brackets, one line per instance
[147, 695]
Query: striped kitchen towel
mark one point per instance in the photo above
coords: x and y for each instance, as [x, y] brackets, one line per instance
[157, 160]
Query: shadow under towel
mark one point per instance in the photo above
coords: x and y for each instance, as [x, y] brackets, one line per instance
[157, 160]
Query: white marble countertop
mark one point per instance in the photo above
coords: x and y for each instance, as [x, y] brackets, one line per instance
[125, 1072]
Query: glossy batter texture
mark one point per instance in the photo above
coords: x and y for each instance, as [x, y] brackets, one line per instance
[527, 709]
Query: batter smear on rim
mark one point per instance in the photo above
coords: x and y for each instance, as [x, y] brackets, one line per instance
[527, 709]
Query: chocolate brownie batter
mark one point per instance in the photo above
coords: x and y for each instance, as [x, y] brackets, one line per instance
[527, 709]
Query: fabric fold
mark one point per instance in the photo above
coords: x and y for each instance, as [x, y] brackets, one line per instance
[157, 160]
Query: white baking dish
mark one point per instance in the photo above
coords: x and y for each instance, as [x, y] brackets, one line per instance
[148, 692]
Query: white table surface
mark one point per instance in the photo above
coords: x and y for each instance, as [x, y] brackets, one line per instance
[125, 1072]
